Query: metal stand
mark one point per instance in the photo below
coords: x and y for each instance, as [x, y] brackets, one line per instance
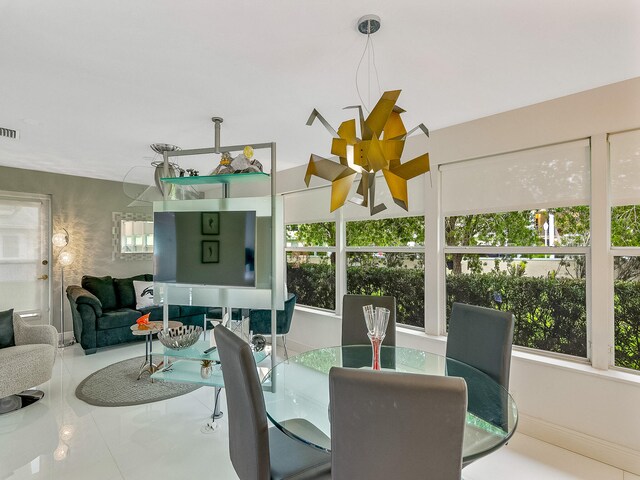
[21, 400]
[148, 365]
[62, 343]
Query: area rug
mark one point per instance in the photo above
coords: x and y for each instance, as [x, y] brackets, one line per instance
[117, 386]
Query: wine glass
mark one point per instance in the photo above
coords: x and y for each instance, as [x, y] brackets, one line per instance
[377, 320]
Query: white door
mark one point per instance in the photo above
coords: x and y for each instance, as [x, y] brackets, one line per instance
[25, 271]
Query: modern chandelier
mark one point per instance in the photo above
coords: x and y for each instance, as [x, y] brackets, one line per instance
[378, 148]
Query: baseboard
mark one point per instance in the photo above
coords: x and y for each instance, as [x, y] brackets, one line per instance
[603, 451]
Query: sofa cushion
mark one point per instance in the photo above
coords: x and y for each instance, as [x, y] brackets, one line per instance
[156, 313]
[122, 317]
[6, 329]
[125, 292]
[101, 287]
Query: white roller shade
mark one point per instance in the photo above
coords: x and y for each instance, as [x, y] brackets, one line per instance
[545, 177]
[624, 155]
[308, 206]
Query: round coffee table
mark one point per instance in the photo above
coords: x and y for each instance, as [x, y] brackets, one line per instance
[152, 327]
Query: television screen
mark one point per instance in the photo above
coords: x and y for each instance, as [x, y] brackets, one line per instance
[205, 248]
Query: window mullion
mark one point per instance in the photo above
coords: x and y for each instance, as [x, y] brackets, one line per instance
[341, 260]
[600, 295]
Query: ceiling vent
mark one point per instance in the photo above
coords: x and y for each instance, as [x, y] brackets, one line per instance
[8, 133]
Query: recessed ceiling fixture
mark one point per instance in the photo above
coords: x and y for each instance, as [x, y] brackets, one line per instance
[9, 133]
[378, 148]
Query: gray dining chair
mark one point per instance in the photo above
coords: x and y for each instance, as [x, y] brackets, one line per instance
[258, 452]
[482, 337]
[354, 329]
[396, 425]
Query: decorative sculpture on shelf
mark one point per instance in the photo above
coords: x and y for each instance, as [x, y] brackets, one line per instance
[380, 147]
[243, 163]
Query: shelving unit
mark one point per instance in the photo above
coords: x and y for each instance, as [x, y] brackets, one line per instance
[226, 178]
[263, 296]
[187, 369]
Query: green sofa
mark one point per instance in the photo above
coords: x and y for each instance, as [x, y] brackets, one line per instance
[104, 308]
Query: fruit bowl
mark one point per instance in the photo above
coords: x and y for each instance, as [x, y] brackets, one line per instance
[180, 338]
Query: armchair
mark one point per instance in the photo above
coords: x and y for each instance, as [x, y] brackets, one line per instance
[260, 321]
[27, 364]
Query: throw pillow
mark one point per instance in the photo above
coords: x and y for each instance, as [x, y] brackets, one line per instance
[144, 294]
[125, 291]
[6, 329]
[101, 287]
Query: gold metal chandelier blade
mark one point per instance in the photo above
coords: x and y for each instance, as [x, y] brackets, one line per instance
[347, 131]
[413, 168]
[378, 117]
[397, 177]
[365, 131]
[375, 156]
[340, 190]
[315, 114]
[394, 129]
[340, 176]
[398, 188]
[393, 150]
[326, 169]
[339, 147]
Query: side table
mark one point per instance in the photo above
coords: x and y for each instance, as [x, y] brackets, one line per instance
[152, 327]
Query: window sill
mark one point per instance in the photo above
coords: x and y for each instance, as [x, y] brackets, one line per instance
[525, 356]
[318, 311]
[548, 361]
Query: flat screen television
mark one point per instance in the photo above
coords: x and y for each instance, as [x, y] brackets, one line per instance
[205, 248]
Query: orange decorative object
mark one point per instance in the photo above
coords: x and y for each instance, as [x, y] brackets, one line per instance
[143, 322]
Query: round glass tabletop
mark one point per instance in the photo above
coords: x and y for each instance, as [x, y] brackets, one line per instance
[299, 389]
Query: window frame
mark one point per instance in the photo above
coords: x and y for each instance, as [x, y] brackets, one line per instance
[418, 249]
[443, 249]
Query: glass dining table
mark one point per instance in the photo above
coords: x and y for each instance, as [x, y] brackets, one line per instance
[299, 389]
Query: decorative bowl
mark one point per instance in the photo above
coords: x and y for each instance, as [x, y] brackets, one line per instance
[180, 337]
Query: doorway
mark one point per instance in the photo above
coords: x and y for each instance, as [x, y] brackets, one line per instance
[25, 269]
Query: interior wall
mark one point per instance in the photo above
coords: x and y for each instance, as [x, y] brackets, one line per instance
[83, 206]
[576, 406]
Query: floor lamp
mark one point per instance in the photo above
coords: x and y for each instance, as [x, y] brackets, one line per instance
[65, 258]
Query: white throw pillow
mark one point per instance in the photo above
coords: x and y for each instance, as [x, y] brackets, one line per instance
[144, 294]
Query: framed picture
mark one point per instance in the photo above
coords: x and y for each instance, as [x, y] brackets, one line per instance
[210, 223]
[210, 251]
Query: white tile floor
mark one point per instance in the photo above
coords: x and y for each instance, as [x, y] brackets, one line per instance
[62, 437]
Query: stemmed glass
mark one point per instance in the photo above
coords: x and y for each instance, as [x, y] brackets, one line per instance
[376, 320]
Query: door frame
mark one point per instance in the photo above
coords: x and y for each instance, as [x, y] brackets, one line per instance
[45, 241]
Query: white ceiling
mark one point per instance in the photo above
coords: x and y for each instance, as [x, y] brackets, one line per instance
[90, 84]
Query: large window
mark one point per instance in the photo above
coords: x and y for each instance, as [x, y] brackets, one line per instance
[311, 263]
[517, 236]
[386, 257]
[625, 246]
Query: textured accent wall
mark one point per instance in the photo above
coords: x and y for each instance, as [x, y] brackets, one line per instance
[84, 207]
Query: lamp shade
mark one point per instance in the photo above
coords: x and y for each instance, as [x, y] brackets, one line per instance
[60, 239]
[65, 259]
